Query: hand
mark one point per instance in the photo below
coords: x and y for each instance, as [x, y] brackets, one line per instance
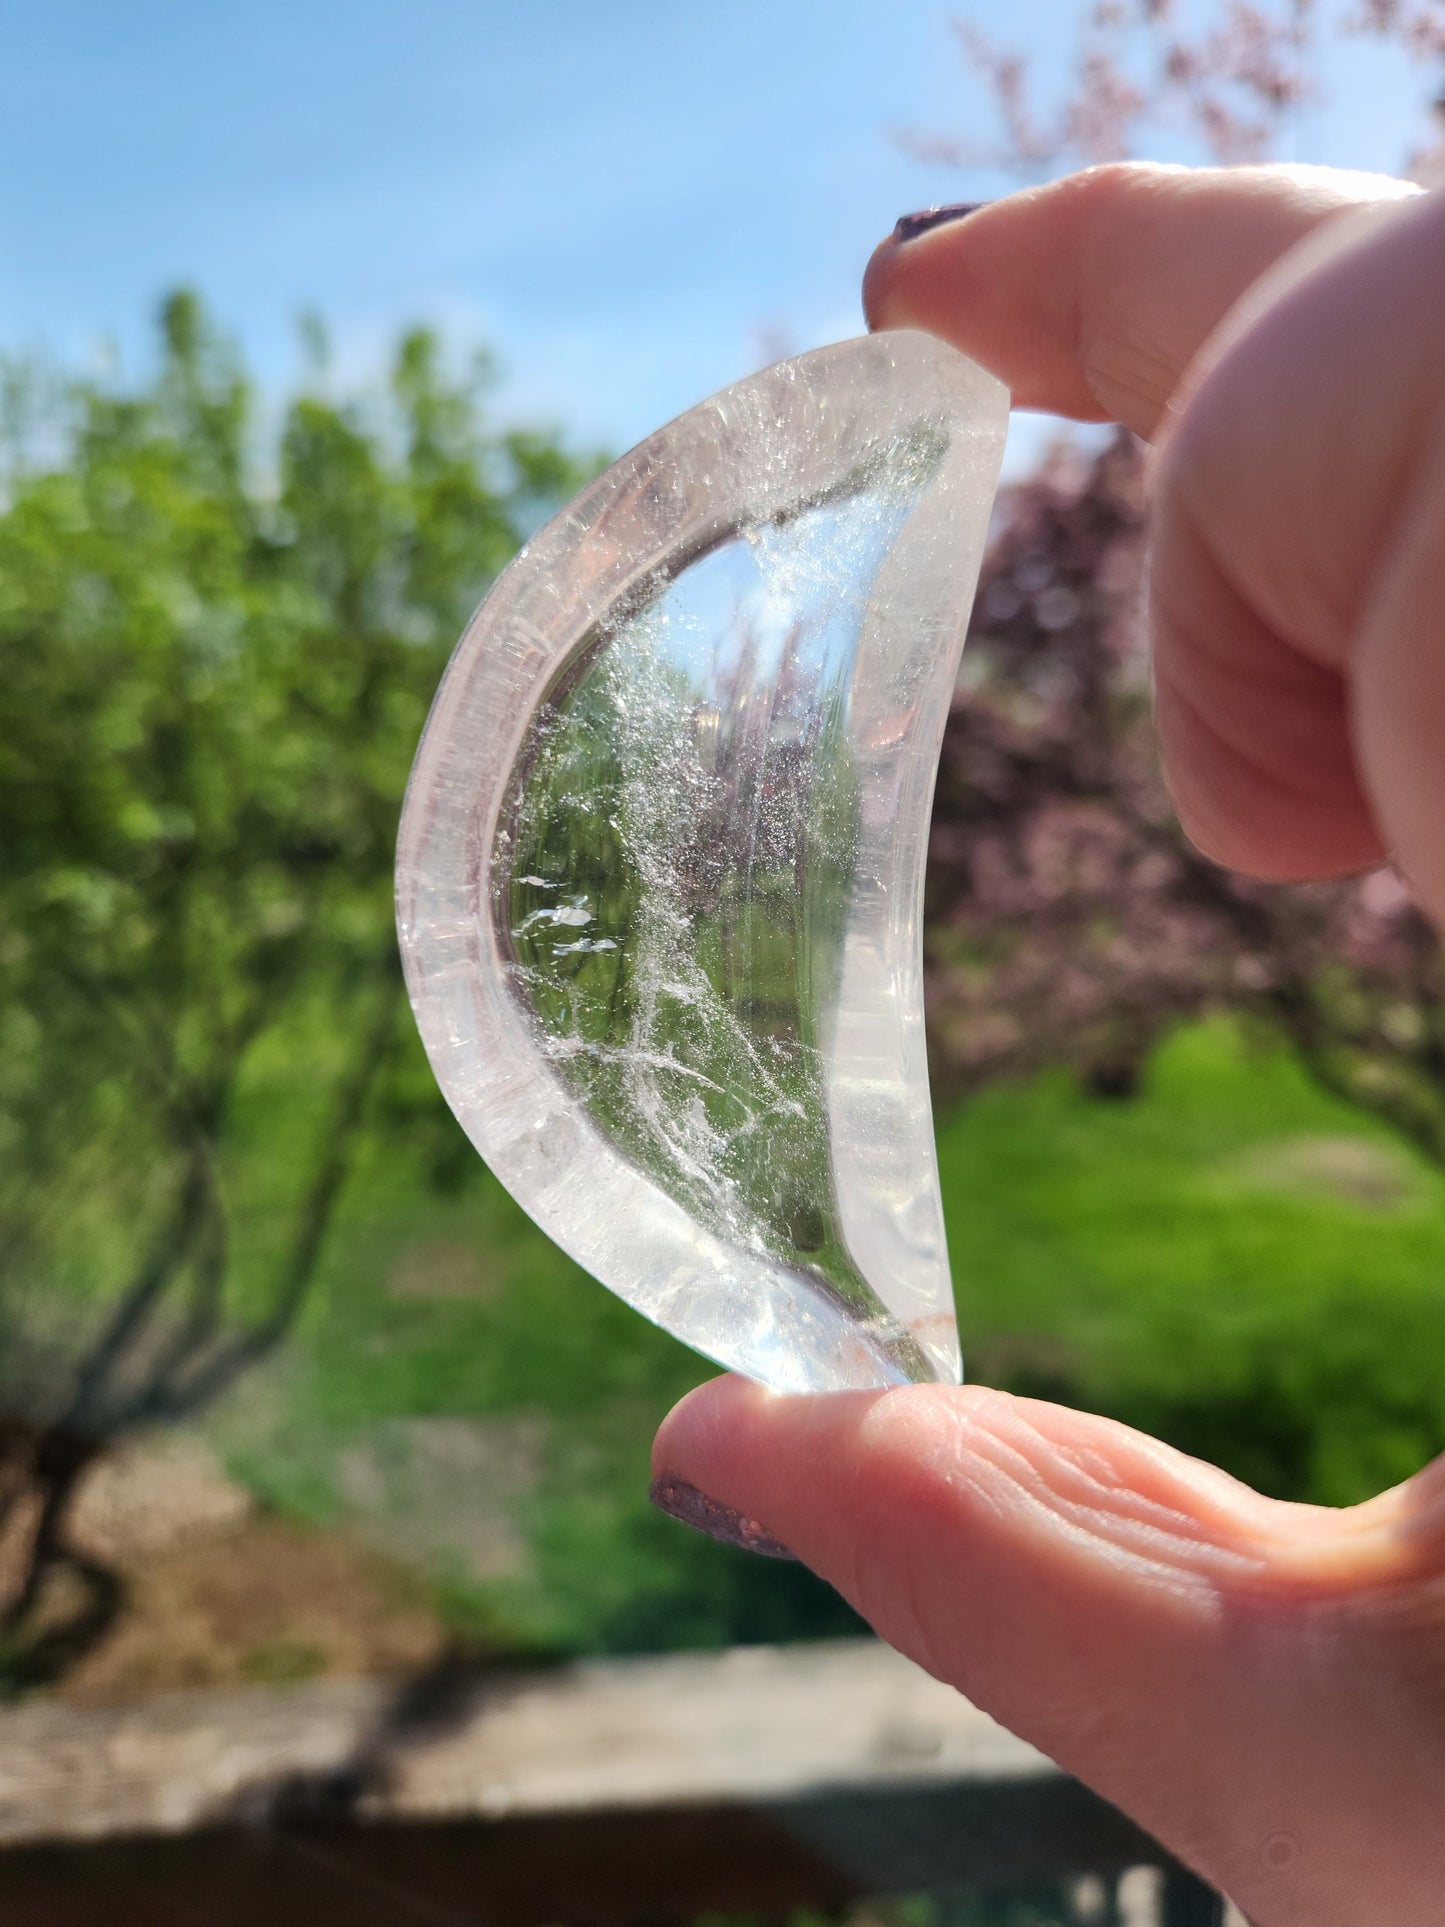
[1261, 1685]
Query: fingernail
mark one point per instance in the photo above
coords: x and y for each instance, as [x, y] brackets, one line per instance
[912, 225]
[679, 1500]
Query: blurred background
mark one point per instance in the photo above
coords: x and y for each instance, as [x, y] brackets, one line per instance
[308, 315]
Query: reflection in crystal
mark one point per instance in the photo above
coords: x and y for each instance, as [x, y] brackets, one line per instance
[660, 873]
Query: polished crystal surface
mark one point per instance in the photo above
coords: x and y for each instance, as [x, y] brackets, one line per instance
[661, 861]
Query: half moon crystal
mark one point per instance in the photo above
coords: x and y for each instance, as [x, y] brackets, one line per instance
[660, 872]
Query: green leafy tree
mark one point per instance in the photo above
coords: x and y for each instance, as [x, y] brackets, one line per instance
[217, 647]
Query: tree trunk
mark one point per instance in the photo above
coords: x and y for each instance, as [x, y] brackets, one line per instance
[56, 1600]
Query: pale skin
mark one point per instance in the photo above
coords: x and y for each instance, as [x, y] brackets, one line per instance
[1261, 1685]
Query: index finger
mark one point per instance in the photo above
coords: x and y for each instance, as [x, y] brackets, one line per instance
[1091, 296]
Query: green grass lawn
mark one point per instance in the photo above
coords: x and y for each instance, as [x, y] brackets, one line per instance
[1230, 1259]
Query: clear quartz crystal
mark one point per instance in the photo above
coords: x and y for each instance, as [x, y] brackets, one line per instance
[660, 872]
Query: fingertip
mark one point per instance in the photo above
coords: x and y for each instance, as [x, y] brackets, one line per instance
[882, 273]
[877, 282]
[816, 1465]
[689, 1435]
[741, 1442]
[969, 275]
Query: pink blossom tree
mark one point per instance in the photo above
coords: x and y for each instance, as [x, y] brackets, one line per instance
[1070, 920]
[1227, 81]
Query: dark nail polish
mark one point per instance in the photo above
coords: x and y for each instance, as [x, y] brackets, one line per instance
[679, 1500]
[913, 225]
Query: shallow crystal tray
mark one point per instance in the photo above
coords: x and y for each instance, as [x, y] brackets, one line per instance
[660, 869]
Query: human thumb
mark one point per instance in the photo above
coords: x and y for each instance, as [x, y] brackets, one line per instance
[1260, 1685]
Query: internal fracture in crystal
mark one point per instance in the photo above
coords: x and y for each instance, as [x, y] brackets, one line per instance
[661, 863]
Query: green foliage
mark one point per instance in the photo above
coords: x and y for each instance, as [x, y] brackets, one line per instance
[1245, 1266]
[1231, 1261]
[217, 646]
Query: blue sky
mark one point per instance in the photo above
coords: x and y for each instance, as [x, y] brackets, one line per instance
[622, 200]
